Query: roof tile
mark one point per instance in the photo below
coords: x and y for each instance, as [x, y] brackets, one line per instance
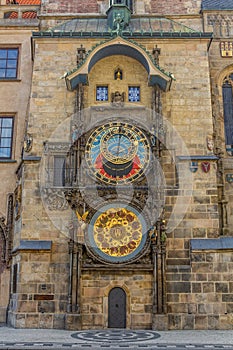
[217, 5]
[24, 2]
[27, 14]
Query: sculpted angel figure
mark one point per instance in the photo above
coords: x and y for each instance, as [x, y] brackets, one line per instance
[82, 223]
[117, 98]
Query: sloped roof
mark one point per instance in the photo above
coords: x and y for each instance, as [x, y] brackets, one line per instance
[24, 2]
[217, 5]
[136, 25]
[26, 14]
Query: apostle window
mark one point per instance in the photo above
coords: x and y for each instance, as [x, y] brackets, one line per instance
[8, 63]
[6, 135]
[228, 112]
[134, 94]
[102, 93]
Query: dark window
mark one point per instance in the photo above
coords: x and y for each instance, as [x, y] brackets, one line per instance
[228, 112]
[6, 135]
[128, 3]
[59, 171]
[8, 63]
[101, 93]
[14, 282]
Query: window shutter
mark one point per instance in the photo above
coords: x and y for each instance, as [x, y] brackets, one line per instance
[59, 171]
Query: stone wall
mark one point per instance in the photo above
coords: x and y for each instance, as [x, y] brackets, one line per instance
[41, 294]
[220, 67]
[14, 101]
[95, 288]
[170, 7]
[51, 105]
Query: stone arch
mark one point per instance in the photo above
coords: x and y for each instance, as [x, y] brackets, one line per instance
[218, 107]
[222, 74]
[117, 308]
[119, 46]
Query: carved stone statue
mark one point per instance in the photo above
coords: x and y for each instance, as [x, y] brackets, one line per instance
[82, 225]
[210, 143]
[118, 98]
[118, 23]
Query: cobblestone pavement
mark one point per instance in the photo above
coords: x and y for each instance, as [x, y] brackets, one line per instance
[11, 338]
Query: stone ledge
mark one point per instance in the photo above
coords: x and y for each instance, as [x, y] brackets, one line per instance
[222, 243]
[33, 245]
[32, 158]
[198, 157]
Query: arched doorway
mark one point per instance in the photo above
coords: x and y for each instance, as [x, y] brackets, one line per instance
[117, 308]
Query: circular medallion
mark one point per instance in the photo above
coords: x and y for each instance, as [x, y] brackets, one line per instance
[117, 153]
[117, 233]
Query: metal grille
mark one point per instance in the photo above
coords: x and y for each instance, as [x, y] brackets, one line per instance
[59, 171]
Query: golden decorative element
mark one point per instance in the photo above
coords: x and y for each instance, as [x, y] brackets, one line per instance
[117, 232]
[82, 221]
[226, 48]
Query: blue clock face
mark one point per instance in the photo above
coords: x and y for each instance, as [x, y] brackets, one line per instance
[118, 147]
[117, 153]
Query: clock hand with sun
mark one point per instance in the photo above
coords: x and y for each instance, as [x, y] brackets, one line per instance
[119, 142]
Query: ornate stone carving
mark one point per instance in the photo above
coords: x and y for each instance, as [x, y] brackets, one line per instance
[55, 199]
[27, 145]
[81, 54]
[3, 240]
[18, 201]
[117, 99]
[221, 24]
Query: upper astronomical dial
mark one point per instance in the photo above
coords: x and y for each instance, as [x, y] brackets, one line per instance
[117, 153]
[119, 145]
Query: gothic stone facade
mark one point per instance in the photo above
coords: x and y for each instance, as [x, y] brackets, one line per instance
[14, 99]
[123, 213]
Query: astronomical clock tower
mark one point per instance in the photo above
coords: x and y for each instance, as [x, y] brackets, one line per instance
[115, 185]
[117, 189]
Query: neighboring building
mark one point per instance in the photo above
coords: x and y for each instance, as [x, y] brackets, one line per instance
[122, 214]
[17, 21]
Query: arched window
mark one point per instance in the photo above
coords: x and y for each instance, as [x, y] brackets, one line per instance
[227, 92]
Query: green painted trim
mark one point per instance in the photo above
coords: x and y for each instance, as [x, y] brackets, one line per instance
[8, 161]
[124, 34]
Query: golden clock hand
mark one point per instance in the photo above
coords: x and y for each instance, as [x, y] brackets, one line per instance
[119, 141]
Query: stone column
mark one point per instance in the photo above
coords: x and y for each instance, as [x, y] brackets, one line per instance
[70, 288]
[159, 318]
[78, 276]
